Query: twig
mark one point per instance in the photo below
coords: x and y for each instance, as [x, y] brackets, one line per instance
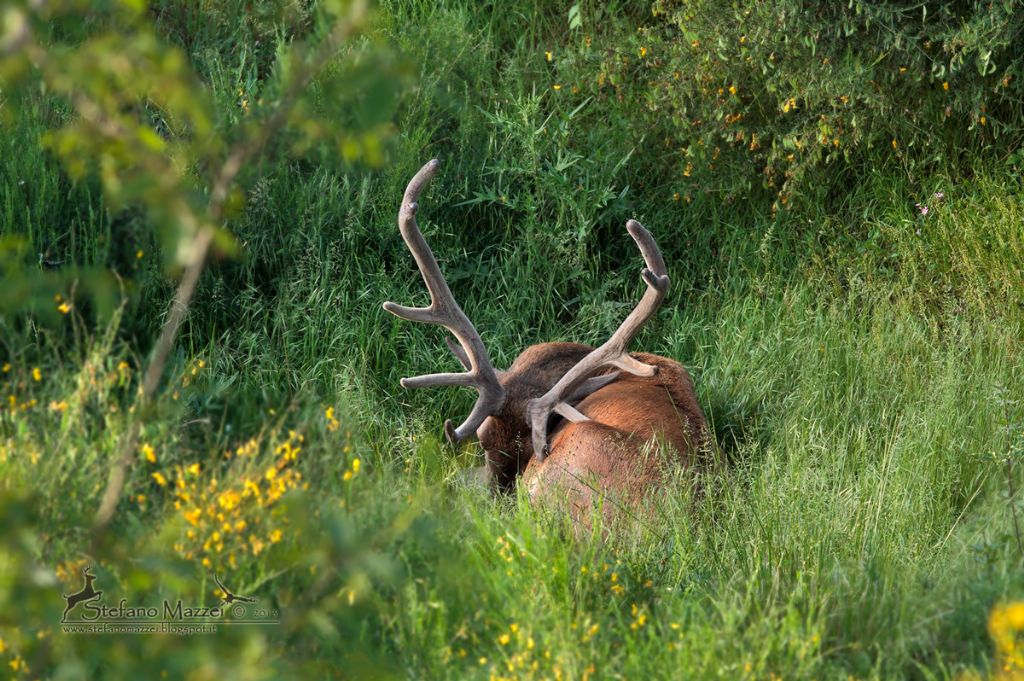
[219, 193]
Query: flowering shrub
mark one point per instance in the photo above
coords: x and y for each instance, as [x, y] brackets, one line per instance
[775, 96]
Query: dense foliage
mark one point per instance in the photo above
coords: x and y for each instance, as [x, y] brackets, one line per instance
[836, 190]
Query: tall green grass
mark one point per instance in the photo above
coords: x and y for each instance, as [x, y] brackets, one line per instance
[860, 363]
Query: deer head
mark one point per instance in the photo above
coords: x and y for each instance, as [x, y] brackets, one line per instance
[516, 407]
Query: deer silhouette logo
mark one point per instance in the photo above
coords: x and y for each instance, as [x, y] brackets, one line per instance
[87, 593]
[229, 597]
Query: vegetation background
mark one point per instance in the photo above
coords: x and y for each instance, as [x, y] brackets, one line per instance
[836, 188]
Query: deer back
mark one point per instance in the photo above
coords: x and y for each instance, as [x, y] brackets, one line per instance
[639, 428]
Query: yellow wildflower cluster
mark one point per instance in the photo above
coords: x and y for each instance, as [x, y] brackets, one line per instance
[508, 552]
[14, 405]
[247, 448]
[69, 573]
[639, 617]
[353, 469]
[519, 655]
[1005, 624]
[224, 521]
[610, 573]
[63, 306]
[332, 422]
[18, 666]
[192, 372]
[614, 585]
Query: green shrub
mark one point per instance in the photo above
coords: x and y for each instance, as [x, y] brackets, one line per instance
[788, 98]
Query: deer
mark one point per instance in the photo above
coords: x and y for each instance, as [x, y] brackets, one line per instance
[571, 423]
[86, 594]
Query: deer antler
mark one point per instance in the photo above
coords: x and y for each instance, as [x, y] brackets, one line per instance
[612, 353]
[445, 311]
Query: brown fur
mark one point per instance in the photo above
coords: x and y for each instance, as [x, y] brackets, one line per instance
[613, 455]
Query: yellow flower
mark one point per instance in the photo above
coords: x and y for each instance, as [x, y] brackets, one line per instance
[257, 544]
[1003, 623]
[193, 469]
[346, 476]
[275, 536]
[945, 85]
[139, 254]
[37, 375]
[147, 451]
[743, 40]
[556, 86]
[355, 465]
[643, 52]
[732, 89]
[160, 479]
[332, 423]
[58, 406]
[504, 639]
[547, 55]
[895, 144]
[64, 308]
[7, 367]
[981, 120]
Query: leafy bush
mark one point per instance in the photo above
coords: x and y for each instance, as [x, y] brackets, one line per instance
[787, 98]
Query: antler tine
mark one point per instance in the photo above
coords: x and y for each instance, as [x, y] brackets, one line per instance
[613, 352]
[445, 311]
